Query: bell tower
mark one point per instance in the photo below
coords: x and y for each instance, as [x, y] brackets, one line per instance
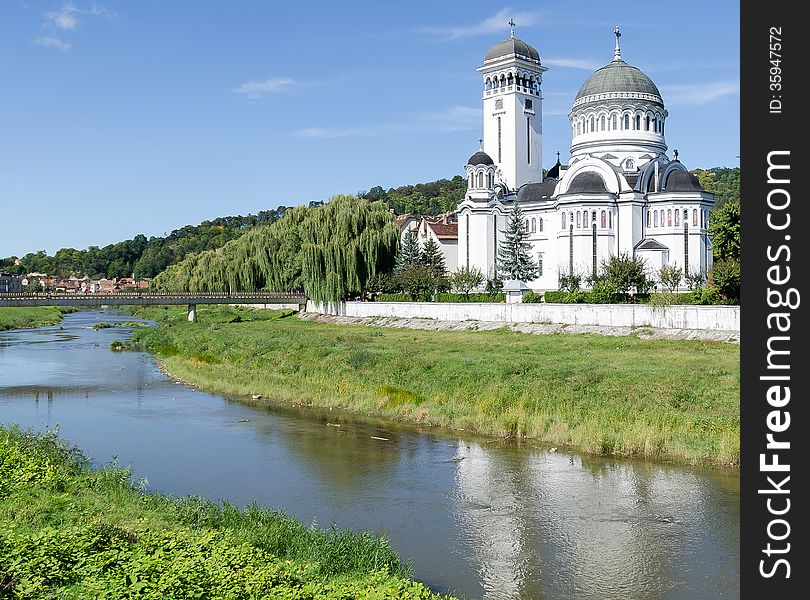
[513, 114]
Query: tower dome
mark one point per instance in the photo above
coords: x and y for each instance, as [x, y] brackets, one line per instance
[511, 47]
[618, 114]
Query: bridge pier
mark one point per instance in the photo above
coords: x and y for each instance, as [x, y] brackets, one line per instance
[192, 313]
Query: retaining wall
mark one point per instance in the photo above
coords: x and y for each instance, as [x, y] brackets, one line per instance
[719, 318]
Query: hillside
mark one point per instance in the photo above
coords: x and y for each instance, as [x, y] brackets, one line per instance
[146, 257]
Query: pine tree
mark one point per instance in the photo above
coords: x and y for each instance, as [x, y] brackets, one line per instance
[410, 253]
[433, 259]
[514, 258]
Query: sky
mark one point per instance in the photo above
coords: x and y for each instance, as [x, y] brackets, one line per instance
[120, 117]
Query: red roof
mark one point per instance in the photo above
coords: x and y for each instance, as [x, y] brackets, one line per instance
[444, 231]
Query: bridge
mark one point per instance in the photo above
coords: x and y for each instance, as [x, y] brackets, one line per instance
[146, 298]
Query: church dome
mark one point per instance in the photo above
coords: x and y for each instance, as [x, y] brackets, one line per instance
[588, 182]
[682, 181]
[480, 158]
[511, 47]
[617, 77]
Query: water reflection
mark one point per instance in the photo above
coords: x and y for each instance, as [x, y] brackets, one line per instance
[481, 518]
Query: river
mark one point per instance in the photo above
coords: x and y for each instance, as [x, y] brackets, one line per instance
[477, 517]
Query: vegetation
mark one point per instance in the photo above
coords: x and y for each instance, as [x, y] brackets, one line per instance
[723, 182]
[724, 227]
[514, 253]
[654, 398]
[68, 531]
[106, 325]
[329, 251]
[466, 279]
[485, 297]
[141, 256]
[35, 316]
[432, 198]
[410, 252]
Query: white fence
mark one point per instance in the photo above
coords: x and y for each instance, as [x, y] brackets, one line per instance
[716, 318]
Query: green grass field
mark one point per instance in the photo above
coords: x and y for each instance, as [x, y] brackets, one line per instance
[37, 316]
[70, 532]
[663, 399]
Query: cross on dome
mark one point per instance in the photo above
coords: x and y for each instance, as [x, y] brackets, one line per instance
[481, 144]
[617, 53]
[512, 27]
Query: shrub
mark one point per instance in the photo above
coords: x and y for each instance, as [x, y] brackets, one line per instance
[531, 297]
[725, 276]
[417, 282]
[470, 297]
[603, 292]
[466, 279]
[626, 274]
[555, 296]
[670, 276]
[569, 283]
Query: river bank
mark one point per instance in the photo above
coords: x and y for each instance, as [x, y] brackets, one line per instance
[662, 399]
[27, 317]
[70, 531]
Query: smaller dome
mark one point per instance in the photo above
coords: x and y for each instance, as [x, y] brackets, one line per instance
[682, 181]
[510, 47]
[480, 158]
[588, 183]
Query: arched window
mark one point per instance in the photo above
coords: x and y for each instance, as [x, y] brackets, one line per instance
[563, 220]
[534, 225]
[610, 219]
[540, 225]
[579, 220]
[593, 124]
[638, 122]
[509, 79]
[582, 122]
[628, 164]
[602, 124]
[648, 123]
[655, 218]
[669, 217]
[677, 217]
[613, 123]
[627, 121]
[662, 217]
[694, 217]
[481, 180]
[470, 180]
[603, 224]
[649, 218]
[491, 179]
[702, 219]
[579, 129]
[488, 84]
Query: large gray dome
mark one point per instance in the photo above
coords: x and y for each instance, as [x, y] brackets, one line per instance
[512, 46]
[618, 77]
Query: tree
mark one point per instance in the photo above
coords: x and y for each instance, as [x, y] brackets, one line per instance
[417, 281]
[466, 279]
[433, 258]
[514, 258]
[410, 253]
[725, 277]
[626, 273]
[724, 227]
[670, 276]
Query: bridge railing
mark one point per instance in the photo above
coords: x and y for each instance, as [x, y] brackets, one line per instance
[144, 294]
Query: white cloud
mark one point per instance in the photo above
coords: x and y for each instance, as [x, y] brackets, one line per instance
[497, 23]
[66, 18]
[257, 89]
[698, 94]
[52, 42]
[572, 63]
[455, 118]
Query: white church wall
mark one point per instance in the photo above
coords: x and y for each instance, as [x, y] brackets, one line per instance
[714, 318]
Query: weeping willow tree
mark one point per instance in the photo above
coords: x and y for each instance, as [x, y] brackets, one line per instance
[329, 251]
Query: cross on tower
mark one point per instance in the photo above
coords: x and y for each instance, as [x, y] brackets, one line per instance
[617, 53]
[512, 27]
[480, 143]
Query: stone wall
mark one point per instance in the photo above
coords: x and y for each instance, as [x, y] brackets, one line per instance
[716, 318]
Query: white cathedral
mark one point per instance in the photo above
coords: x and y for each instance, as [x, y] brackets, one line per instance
[619, 193]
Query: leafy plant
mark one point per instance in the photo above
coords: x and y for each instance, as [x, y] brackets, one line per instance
[670, 276]
[514, 253]
[466, 279]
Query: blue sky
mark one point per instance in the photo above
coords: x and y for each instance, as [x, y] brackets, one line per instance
[121, 117]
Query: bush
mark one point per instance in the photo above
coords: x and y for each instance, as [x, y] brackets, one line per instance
[603, 292]
[466, 279]
[725, 277]
[402, 298]
[555, 296]
[531, 297]
[470, 297]
[626, 273]
[417, 282]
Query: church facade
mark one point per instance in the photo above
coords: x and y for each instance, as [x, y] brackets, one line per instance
[619, 193]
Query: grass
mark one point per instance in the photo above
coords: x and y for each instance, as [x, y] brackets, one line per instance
[69, 531]
[663, 399]
[36, 316]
